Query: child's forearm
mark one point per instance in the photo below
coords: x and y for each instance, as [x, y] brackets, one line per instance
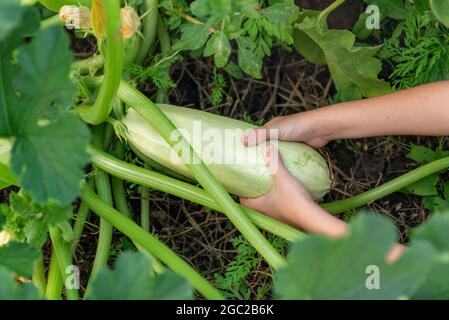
[422, 110]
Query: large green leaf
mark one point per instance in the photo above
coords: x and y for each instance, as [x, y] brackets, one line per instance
[440, 9]
[435, 231]
[10, 290]
[322, 268]
[18, 257]
[50, 143]
[390, 8]
[10, 16]
[132, 280]
[193, 37]
[353, 68]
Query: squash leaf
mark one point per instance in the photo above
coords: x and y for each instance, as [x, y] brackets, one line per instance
[434, 231]
[132, 279]
[10, 290]
[353, 68]
[18, 257]
[440, 9]
[50, 142]
[323, 268]
[394, 9]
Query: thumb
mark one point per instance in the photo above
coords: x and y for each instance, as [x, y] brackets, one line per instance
[255, 136]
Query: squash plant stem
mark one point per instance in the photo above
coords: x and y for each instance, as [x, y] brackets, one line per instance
[121, 203]
[54, 283]
[38, 276]
[149, 29]
[150, 243]
[81, 217]
[114, 56]
[387, 188]
[103, 187]
[64, 259]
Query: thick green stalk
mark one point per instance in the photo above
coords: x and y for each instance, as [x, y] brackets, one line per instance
[105, 232]
[387, 188]
[155, 180]
[103, 186]
[54, 283]
[64, 258]
[118, 188]
[149, 7]
[159, 121]
[145, 208]
[163, 36]
[150, 243]
[165, 45]
[81, 217]
[99, 111]
[121, 204]
[84, 66]
[38, 276]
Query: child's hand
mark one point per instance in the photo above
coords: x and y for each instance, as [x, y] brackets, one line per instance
[298, 127]
[289, 201]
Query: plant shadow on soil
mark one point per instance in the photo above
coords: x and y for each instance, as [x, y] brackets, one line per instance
[289, 85]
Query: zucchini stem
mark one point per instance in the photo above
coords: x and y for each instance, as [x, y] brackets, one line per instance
[54, 283]
[38, 276]
[150, 243]
[100, 110]
[64, 258]
[387, 188]
[103, 187]
[149, 29]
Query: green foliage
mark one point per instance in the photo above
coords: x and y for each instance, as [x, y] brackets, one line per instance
[49, 150]
[133, 279]
[158, 72]
[213, 26]
[322, 268]
[10, 290]
[353, 68]
[234, 282]
[418, 50]
[29, 221]
[18, 257]
[433, 189]
[217, 92]
[394, 9]
[434, 231]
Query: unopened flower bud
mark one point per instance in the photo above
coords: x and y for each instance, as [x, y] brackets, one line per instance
[130, 22]
[75, 17]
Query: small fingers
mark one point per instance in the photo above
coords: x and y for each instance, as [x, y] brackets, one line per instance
[257, 135]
